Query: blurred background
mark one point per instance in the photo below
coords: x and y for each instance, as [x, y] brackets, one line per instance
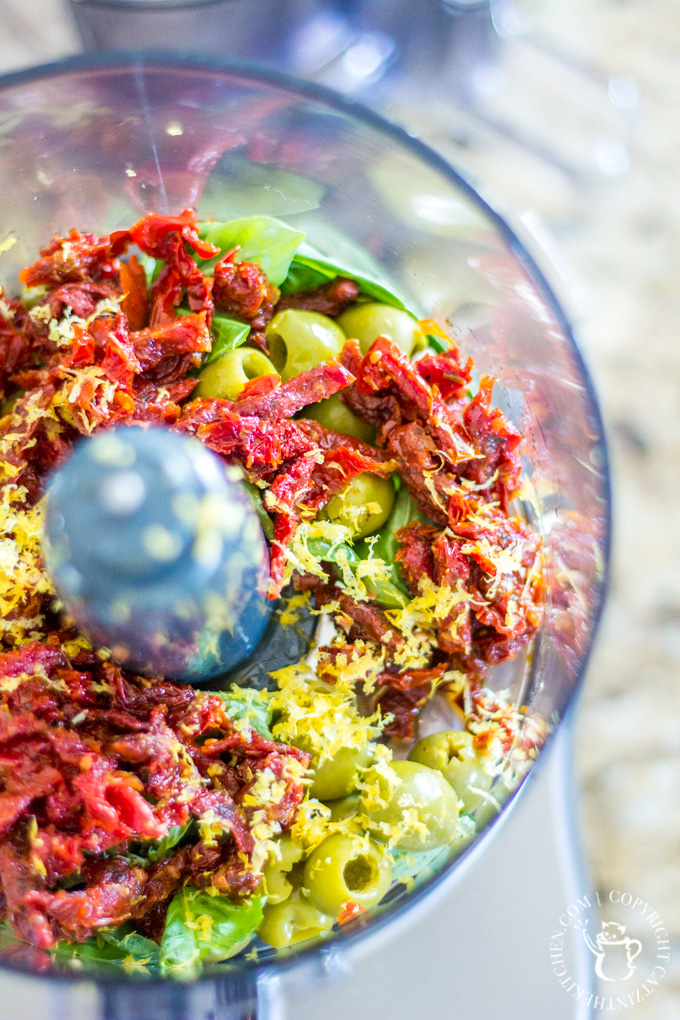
[564, 115]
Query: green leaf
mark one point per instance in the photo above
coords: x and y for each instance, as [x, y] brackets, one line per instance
[303, 278]
[8, 936]
[264, 518]
[121, 950]
[389, 593]
[348, 259]
[268, 242]
[227, 334]
[411, 863]
[158, 849]
[386, 546]
[311, 268]
[151, 267]
[205, 929]
[244, 703]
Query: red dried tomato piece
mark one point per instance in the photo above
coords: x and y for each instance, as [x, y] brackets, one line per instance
[452, 571]
[493, 437]
[135, 303]
[255, 443]
[152, 231]
[243, 289]
[386, 365]
[330, 298]
[290, 397]
[187, 335]
[414, 555]
[81, 297]
[447, 372]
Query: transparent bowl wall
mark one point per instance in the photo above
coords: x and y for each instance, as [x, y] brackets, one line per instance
[94, 144]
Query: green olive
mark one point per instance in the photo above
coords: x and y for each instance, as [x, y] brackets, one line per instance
[367, 322]
[363, 506]
[295, 920]
[452, 753]
[417, 812]
[226, 376]
[299, 340]
[346, 869]
[344, 808]
[338, 776]
[333, 414]
[277, 870]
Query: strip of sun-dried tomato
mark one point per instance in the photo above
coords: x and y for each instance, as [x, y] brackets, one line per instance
[384, 365]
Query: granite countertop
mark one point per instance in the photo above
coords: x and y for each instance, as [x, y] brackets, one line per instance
[611, 205]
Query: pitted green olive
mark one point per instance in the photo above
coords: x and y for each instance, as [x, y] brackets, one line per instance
[344, 808]
[338, 776]
[367, 322]
[299, 340]
[227, 376]
[295, 920]
[452, 753]
[278, 868]
[363, 506]
[346, 869]
[333, 414]
[418, 811]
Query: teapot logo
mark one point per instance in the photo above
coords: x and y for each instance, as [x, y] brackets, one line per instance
[614, 951]
[616, 955]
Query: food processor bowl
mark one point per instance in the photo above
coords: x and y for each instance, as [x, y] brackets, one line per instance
[94, 143]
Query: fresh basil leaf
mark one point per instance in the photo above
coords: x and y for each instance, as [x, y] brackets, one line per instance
[410, 863]
[159, 848]
[227, 334]
[388, 592]
[120, 950]
[264, 518]
[303, 278]
[311, 268]
[244, 703]
[8, 936]
[386, 546]
[151, 266]
[349, 260]
[437, 343]
[268, 242]
[201, 928]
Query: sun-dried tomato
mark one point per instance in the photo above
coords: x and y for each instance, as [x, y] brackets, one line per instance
[187, 335]
[302, 390]
[414, 554]
[447, 372]
[151, 234]
[496, 465]
[76, 257]
[330, 298]
[253, 442]
[242, 289]
[135, 303]
[99, 759]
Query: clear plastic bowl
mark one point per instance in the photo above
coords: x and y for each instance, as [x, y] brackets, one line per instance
[94, 143]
